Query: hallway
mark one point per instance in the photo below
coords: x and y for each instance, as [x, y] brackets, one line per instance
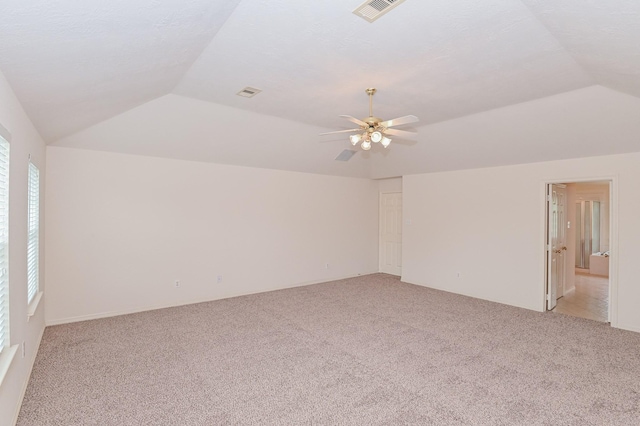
[589, 300]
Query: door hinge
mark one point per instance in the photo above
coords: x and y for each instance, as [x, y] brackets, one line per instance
[548, 297]
[549, 197]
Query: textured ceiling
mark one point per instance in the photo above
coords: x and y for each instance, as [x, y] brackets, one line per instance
[602, 36]
[76, 63]
[73, 63]
[437, 60]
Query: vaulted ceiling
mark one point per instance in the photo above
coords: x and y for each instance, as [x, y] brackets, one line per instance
[78, 65]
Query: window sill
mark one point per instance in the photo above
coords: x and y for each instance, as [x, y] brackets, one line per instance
[33, 306]
[6, 356]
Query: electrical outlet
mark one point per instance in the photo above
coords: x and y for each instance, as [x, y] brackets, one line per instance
[458, 274]
[326, 266]
[177, 283]
[219, 279]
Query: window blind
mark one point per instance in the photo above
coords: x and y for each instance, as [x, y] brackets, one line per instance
[4, 243]
[34, 233]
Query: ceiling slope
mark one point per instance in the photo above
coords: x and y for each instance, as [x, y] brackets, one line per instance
[588, 122]
[568, 125]
[602, 36]
[178, 127]
[75, 63]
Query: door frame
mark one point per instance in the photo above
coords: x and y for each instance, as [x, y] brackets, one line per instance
[613, 239]
[380, 247]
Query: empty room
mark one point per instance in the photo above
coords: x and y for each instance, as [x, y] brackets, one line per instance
[333, 213]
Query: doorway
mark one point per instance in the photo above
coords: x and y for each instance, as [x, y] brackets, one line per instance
[578, 242]
[390, 255]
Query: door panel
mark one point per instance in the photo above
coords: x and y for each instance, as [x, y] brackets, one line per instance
[556, 197]
[391, 233]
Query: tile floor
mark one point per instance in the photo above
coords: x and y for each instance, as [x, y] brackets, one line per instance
[589, 300]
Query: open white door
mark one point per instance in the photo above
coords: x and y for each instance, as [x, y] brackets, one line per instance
[556, 244]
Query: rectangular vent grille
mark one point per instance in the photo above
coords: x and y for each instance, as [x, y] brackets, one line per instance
[248, 92]
[371, 10]
[346, 155]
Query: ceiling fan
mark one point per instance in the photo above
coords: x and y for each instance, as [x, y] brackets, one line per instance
[373, 129]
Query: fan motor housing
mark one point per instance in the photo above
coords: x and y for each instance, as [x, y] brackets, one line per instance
[373, 122]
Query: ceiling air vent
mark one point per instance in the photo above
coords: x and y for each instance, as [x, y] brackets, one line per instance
[248, 92]
[371, 10]
[345, 155]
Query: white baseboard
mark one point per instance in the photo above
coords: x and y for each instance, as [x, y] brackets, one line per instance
[26, 382]
[628, 328]
[69, 320]
[502, 302]
[100, 315]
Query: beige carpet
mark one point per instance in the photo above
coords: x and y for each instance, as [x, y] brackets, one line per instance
[369, 350]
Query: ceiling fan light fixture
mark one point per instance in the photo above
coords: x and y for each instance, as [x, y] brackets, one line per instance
[373, 129]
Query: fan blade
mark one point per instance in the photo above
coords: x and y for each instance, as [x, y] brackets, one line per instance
[354, 120]
[400, 121]
[401, 134]
[341, 131]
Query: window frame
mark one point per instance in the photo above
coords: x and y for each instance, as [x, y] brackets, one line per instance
[7, 352]
[33, 238]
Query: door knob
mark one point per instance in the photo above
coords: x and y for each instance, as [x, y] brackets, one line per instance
[564, 248]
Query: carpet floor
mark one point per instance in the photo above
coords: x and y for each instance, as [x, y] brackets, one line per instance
[368, 350]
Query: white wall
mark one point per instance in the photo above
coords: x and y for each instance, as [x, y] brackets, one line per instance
[24, 141]
[488, 224]
[390, 185]
[122, 228]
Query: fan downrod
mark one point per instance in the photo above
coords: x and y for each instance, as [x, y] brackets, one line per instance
[371, 120]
